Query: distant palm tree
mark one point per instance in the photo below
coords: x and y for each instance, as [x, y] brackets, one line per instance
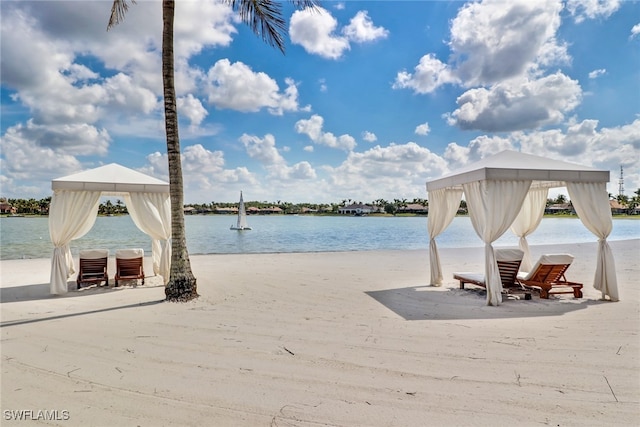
[265, 18]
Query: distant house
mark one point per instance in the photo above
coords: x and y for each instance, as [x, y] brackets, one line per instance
[306, 210]
[414, 208]
[189, 210]
[6, 208]
[617, 208]
[560, 208]
[271, 210]
[226, 211]
[356, 209]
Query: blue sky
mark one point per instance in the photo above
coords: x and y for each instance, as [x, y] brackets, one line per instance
[371, 100]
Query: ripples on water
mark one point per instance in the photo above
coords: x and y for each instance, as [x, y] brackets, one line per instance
[29, 237]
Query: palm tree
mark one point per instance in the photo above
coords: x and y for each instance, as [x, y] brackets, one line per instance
[265, 18]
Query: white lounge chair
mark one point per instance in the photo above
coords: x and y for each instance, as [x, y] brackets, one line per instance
[508, 264]
[93, 267]
[129, 265]
[547, 276]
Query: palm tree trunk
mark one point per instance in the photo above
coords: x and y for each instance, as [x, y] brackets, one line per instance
[182, 283]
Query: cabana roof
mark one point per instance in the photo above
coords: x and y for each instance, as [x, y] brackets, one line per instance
[513, 165]
[111, 179]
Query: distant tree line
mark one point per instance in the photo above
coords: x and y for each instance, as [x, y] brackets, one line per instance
[28, 206]
[387, 206]
[41, 207]
[624, 200]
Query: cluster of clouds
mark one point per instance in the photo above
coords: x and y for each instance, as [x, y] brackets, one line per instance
[500, 56]
[317, 32]
[504, 58]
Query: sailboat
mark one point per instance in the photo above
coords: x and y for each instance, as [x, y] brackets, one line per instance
[242, 217]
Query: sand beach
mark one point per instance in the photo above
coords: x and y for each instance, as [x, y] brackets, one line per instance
[321, 339]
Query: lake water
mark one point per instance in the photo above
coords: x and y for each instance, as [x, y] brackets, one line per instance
[29, 237]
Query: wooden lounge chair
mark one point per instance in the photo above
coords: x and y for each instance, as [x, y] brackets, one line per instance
[548, 276]
[508, 265]
[129, 265]
[93, 267]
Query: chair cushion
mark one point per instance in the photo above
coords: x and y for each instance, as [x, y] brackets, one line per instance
[548, 259]
[94, 254]
[470, 277]
[509, 254]
[129, 253]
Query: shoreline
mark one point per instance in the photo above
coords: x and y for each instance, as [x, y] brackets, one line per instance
[332, 338]
[440, 249]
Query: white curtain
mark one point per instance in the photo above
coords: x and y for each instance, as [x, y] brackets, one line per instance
[151, 212]
[493, 205]
[591, 202]
[443, 205]
[528, 220]
[71, 216]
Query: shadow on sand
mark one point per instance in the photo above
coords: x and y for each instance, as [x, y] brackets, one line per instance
[437, 303]
[64, 316]
[41, 292]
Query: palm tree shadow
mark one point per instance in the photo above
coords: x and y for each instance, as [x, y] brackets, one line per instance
[8, 323]
[441, 303]
[41, 291]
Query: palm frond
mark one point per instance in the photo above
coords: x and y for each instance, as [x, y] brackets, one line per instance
[118, 11]
[264, 17]
[306, 4]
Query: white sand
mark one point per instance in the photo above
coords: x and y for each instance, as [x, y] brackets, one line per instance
[326, 339]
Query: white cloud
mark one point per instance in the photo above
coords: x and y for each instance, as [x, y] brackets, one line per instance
[428, 75]
[580, 143]
[315, 31]
[265, 151]
[517, 104]
[68, 100]
[499, 51]
[423, 129]
[215, 26]
[204, 172]
[597, 73]
[478, 148]
[491, 41]
[583, 143]
[313, 129]
[191, 107]
[387, 172]
[494, 40]
[635, 30]
[237, 87]
[591, 9]
[369, 136]
[30, 155]
[125, 96]
[361, 29]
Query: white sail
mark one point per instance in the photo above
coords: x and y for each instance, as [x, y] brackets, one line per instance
[242, 217]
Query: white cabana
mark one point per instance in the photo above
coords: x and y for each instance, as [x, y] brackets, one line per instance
[509, 190]
[74, 208]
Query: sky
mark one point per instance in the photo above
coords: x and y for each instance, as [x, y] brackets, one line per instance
[370, 100]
